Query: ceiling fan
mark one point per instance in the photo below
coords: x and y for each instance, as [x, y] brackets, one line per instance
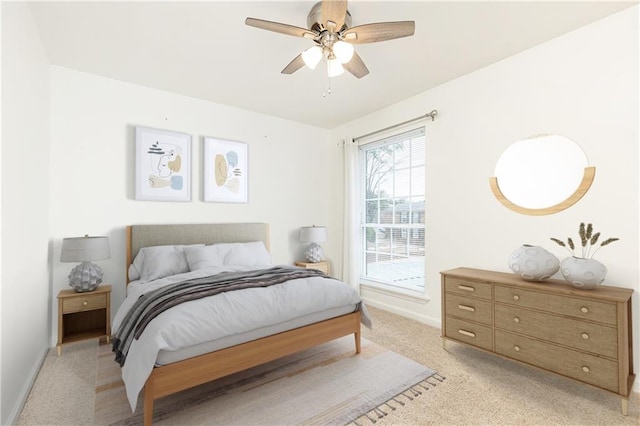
[330, 29]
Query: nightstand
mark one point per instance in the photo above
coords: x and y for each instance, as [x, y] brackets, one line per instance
[320, 266]
[84, 316]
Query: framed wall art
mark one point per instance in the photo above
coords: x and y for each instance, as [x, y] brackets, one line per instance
[163, 165]
[226, 166]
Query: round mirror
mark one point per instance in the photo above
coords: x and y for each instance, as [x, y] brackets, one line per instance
[541, 175]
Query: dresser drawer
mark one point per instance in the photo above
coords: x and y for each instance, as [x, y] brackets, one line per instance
[594, 338]
[579, 308]
[84, 303]
[468, 288]
[468, 332]
[469, 308]
[567, 362]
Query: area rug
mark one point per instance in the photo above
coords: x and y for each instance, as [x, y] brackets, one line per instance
[325, 385]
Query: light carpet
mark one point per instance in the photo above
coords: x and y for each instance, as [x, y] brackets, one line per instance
[480, 389]
[325, 385]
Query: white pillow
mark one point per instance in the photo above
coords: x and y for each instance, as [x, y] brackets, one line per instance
[204, 257]
[133, 275]
[248, 254]
[228, 254]
[155, 262]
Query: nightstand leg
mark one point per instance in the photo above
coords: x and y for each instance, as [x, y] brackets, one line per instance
[444, 343]
[59, 349]
[108, 339]
[624, 402]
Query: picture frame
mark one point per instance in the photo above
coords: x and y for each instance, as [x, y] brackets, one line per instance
[163, 165]
[226, 171]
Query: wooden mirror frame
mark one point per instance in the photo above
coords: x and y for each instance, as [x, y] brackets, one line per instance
[583, 187]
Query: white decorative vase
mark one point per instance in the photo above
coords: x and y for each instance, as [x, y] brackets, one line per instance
[533, 263]
[85, 277]
[583, 273]
[314, 253]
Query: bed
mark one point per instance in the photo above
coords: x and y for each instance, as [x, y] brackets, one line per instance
[171, 366]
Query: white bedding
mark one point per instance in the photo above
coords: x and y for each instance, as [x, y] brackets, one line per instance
[226, 314]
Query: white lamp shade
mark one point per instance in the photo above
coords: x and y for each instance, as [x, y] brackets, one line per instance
[312, 56]
[85, 249]
[313, 234]
[343, 51]
[334, 68]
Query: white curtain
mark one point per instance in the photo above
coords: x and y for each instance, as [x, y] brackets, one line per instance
[351, 215]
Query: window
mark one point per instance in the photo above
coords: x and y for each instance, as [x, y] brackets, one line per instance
[393, 196]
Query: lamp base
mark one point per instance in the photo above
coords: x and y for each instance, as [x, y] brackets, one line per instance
[314, 253]
[85, 277]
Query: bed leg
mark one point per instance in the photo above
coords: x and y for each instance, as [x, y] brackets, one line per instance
[357, 337]
[148, 404]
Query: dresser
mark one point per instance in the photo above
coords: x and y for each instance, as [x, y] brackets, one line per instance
[584, 335]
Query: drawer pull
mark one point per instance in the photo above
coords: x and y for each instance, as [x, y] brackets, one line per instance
[585, 336]
[586, 369]
[466, 288]
[584, 310]
[85, 303]
[516, 297]
[467, 333]
[467, 308]
[516, 320]
[516, 348]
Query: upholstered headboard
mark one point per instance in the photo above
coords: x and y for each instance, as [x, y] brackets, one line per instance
[138, 236]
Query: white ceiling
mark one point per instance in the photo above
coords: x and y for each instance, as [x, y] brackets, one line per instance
[204, 49]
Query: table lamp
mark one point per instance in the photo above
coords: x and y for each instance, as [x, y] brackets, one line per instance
[314, 235]
[87, 275]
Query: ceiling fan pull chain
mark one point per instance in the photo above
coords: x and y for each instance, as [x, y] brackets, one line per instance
[328, 86]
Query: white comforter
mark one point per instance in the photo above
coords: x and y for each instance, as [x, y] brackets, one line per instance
[222, 315]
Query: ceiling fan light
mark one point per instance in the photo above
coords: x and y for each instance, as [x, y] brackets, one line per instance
[312, 56]
[334, 68]
[343, 51]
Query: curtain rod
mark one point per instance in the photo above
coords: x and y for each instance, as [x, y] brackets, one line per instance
[431, 115]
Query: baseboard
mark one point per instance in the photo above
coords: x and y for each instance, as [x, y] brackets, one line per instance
[433, 322]
[12, 418]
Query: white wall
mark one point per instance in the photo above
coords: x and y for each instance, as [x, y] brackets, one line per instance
[92, 169]
[583, 85]
[25, 207]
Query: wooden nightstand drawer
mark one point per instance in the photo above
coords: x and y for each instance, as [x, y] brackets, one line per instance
[468, 288]
[89, 302]
[594, 338]
[469, 308]
[578, 308]
[320, 266]
[577, 365]
[468, 332]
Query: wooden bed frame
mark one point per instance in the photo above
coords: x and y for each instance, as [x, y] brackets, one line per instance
[169, 379]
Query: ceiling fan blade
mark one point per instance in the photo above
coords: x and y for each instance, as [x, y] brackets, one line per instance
[294, 65]
[280, 28]
[356, 67]
[333, 13]
[381, 31]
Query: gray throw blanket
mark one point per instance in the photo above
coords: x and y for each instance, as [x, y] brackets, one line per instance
[152, 304]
